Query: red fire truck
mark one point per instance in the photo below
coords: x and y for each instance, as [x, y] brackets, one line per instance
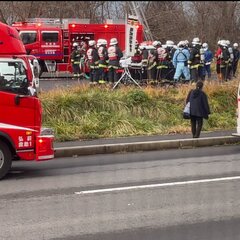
[50, 40]
[21, 134]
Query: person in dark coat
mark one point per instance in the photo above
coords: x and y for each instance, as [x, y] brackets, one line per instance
[199, 108]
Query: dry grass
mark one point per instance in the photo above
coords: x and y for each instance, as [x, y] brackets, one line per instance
[82, 112]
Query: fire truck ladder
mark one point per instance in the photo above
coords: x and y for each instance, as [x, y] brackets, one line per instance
[137, 10]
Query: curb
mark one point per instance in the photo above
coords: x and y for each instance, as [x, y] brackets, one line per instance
[144, 146]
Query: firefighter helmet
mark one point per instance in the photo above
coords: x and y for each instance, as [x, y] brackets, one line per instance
[169, 43]
[223, 43]
[113, 41]
[75, 44]
[99, 42]
[181, 44]
[235, 45]
[196, 41]
[156, 43]
[104, 42]
[91, 43]
[205, 45]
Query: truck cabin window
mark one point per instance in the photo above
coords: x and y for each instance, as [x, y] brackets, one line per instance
[28, 37]
[13, 77]
[51, 37]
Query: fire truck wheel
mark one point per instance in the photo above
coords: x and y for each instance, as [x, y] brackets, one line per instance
[5, 159]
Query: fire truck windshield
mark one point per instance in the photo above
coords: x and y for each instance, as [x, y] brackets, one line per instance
[28, 36]
[13, 77]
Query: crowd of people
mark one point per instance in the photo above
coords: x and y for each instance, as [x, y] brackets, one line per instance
[188, 62]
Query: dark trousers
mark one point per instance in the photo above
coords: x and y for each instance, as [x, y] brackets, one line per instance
[93, 75]
[235, 64]
[207, 70]
[113, 75]
[76, 68]
[152, 73]
[102, 74]
[196, 125]
[194, 74]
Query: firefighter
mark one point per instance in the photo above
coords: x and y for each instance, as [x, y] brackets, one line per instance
[152, 62]
[144, 62]
[196, 60]
[170, 52]
[230, 62]
[217, 56]
[83, 51]
[136, 58]
[225, 58]
[75, 60]
[103, 57]
[161, 61]
[93, 60]
[236, 55]
[114, 56]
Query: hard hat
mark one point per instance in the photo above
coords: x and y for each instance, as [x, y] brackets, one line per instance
[169, 43]
[104, 42]
[195, 41]
[113, 41]
[181, 44]
[205, 45]
[99, 42]
[223, 43]
[227, 42]
[156, 43]
[235, 45]
[91, 43]
[75, 44]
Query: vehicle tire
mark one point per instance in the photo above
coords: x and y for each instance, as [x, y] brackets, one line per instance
[5, 159]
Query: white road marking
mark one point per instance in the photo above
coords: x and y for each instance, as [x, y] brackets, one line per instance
[158, 185]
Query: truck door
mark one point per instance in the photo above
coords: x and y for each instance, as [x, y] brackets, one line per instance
[30, 40]
[17, 108]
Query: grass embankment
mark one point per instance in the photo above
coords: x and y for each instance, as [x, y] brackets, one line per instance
[82, 112]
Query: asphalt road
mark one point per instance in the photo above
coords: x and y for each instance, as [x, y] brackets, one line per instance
[51, 84]
[175, 194]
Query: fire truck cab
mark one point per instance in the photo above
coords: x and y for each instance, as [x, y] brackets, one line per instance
[51, 40]
[21, 134]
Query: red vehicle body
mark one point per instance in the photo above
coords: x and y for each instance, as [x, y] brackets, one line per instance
[51, 42]
[21, 134]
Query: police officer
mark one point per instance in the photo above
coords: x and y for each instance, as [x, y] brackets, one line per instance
[208, 57]
[114, 56]
[93, 60]
[75, 60]
[103, 57]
